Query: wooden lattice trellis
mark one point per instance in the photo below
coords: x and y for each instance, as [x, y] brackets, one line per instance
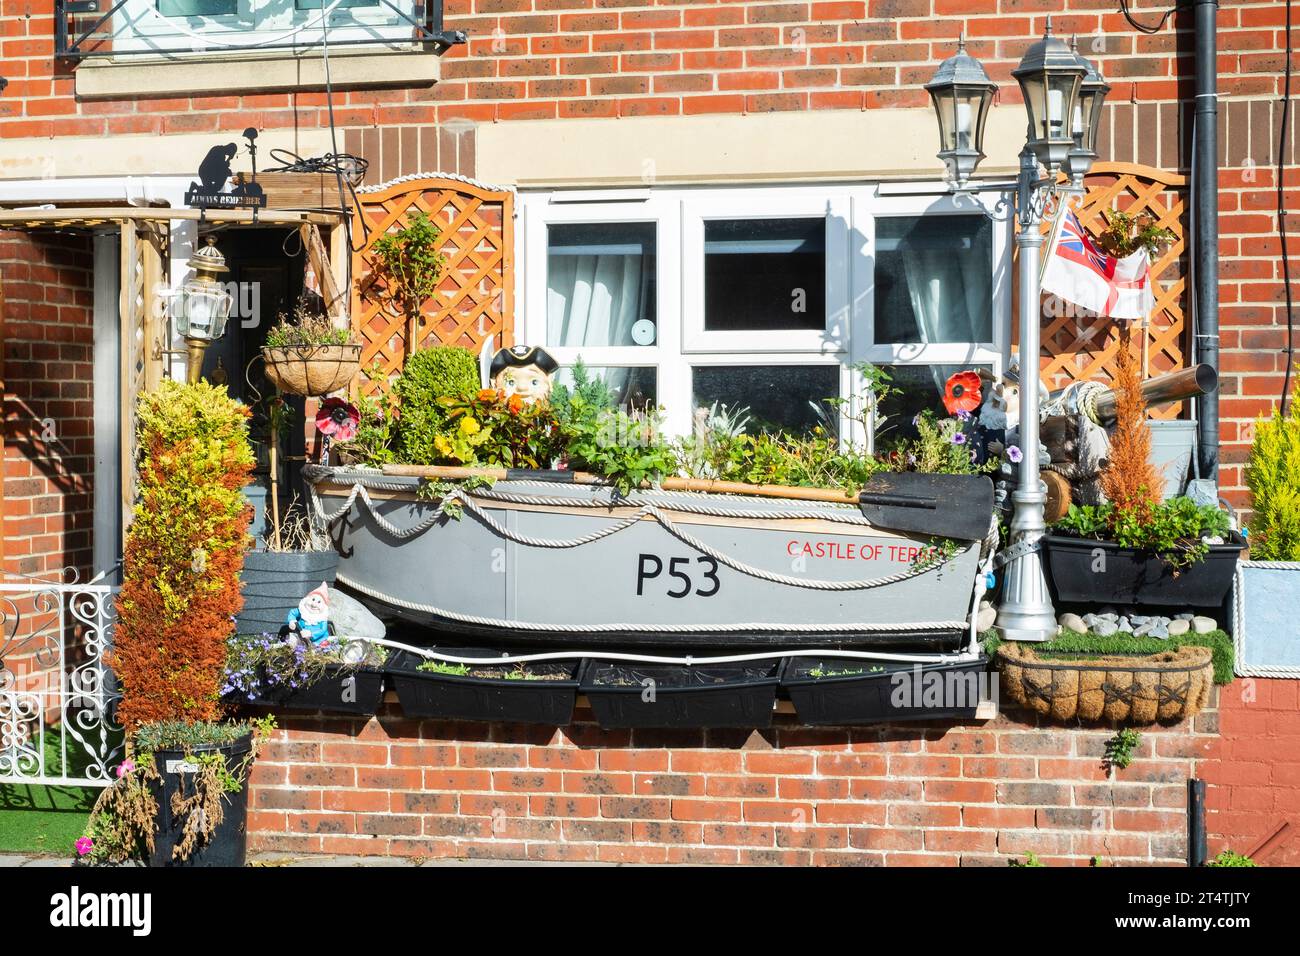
[1075, 348]
[475, 299]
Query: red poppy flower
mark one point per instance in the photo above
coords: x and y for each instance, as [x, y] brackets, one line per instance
[961, 393]
[338, 419]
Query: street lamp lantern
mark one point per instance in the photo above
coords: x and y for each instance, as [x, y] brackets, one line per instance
[1050, 75]
[962, 93]
[1087, 120]
[202, 306]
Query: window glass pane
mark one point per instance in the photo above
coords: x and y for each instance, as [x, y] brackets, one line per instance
[198, 8]
[343, 4]
[600, 284]
[920, 387]
[764, 274]
[934, 279]
[635, 388]
[790, 397]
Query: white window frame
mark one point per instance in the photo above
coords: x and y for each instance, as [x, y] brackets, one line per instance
[682, 343]
[139, 27]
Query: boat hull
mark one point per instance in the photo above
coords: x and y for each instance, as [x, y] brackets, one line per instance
[537, 563]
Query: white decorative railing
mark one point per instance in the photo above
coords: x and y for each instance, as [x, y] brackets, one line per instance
[56, 704]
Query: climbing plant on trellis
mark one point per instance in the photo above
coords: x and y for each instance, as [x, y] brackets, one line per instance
[475, 299]
[1080, 348]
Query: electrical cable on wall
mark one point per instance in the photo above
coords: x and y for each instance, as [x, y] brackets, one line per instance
[1141, 27]
[1283, 129]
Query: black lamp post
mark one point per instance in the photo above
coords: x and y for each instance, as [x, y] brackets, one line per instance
[1086, 122]
[961, 93]
[1062, 121]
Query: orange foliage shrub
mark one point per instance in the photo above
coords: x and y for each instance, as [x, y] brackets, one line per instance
[184, 552]
[1130, 481]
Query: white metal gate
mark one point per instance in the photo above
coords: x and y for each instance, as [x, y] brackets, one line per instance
[56, 714]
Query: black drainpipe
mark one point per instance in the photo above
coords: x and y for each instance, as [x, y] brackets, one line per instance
[1205, 189]
[1196, 848]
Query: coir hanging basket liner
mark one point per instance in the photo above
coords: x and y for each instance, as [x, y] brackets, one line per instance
[1167, 687]
[311, 370]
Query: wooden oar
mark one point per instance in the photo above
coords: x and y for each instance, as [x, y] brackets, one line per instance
[953, 506]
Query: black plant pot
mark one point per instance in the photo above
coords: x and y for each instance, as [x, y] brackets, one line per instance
[340, 690]
[1102, 572]
[428, 694]
[842, 691]
[273, 582]
[229, 843]
[679, 695]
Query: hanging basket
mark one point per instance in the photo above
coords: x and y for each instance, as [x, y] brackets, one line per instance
[311, 370]
[1167, 687]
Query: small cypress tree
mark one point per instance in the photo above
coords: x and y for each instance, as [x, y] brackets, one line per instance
[184, 552]
[1273, 477]
[1130, 481]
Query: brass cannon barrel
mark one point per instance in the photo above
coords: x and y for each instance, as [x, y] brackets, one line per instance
[1161, 390]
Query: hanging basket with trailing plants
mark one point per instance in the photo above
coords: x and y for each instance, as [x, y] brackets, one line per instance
[1166, 687]
[308, 355]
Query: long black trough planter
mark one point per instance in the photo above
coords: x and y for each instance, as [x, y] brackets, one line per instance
[678, 695]
[340, 690]
[544, 699]
[1101, 572]
[229, 842]
[842, 691]
[273, 582]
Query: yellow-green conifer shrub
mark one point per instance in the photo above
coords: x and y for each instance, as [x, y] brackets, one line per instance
[1273, 477]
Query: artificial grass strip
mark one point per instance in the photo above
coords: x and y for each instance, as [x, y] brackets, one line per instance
[1219, 643]
[41, 819]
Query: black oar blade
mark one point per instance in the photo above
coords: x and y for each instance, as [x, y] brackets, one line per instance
[948, 506]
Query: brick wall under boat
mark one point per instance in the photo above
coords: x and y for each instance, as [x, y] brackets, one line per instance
[932, 793]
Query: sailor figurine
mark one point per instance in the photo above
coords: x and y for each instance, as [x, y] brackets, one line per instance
[310, 619]
[524, 371]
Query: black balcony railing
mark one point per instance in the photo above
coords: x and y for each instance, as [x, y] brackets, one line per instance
[91, 28]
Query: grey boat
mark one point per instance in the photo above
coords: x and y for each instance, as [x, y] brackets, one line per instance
[537, 562]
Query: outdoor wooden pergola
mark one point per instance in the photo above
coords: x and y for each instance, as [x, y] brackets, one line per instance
[143, 323]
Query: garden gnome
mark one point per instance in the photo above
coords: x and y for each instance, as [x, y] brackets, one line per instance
[524, 371]
[310, 619]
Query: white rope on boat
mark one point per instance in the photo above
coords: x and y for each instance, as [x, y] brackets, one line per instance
[502, 623]
[646, 510]
[689, 660]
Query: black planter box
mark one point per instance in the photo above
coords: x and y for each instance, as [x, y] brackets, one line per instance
[679, 695]
[1128, 576]
[428, 694]
[229, 843]
[273, 582]
[341, 690]
[853, 691]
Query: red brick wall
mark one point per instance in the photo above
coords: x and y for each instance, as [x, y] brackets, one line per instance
[48, 404]
[933, 794]
[1254, 793]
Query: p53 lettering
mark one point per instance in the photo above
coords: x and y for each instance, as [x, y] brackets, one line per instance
[685, 575]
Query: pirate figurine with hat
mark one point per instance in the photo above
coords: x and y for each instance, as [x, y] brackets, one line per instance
[524, 371]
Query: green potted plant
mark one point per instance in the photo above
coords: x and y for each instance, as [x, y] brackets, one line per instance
[308, 355]
[407, 269]
[180, 797]
[343, 677]
[514, 692]
[1137, 549]
[1268, 584]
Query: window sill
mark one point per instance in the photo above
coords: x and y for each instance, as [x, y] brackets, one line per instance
[224, 74]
